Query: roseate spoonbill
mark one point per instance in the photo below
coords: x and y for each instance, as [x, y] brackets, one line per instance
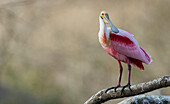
[121, 45]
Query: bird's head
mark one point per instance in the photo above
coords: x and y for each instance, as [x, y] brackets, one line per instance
[105, 17]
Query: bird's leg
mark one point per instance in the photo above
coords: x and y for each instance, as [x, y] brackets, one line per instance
[128, 84]
[120, 76]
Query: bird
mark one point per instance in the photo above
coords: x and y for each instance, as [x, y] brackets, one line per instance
[123, 47]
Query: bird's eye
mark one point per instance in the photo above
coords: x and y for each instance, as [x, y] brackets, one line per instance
[102, 13]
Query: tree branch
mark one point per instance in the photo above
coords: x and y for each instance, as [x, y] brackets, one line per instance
[141, 88]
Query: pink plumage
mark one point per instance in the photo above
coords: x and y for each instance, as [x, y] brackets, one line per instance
[125, 48]
[121, 45]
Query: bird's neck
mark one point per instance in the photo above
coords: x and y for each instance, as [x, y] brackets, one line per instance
[104, 35]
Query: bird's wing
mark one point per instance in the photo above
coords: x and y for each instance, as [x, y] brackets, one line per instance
[125, 33]
[126, 45]
[122, 32]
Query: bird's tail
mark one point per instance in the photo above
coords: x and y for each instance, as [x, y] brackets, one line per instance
[136, 62]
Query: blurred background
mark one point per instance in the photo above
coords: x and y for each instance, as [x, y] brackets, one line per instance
[50, 54]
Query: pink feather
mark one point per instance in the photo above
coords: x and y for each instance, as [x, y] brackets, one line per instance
[125, 48]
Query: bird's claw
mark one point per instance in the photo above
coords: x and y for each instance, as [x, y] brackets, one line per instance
[112, 88]
[123, 88]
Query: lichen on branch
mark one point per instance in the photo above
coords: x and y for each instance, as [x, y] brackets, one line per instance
[141, 88]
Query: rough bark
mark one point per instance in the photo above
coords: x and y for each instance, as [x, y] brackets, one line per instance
[141, 88]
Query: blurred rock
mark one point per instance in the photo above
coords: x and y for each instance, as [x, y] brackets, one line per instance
[15, 96]
[147, 99]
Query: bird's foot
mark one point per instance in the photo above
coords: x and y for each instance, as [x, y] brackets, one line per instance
[112, 88]
[123, 88]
